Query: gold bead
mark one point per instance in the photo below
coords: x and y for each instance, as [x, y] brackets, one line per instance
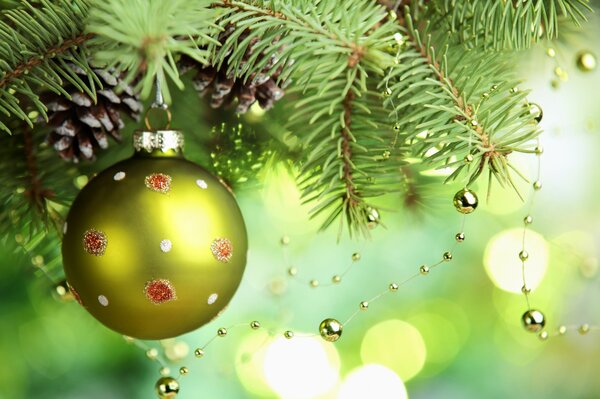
[356, 257]
[221, 332]
[164, 371]
[255, 325]
[128, 339]
[537, 185]
[288, 334]
[525, 290]
[314, 283]
[536, 111]
[336, 279]
[539, 150]
[386, 93]
[167, 388]
[424, 270]
[562, 330]
[292, 271]
[364, 305]
[447, 256]
[372, 217]
[550, 52]
[533, 320]
[583, 329]
[330, 330]
[523, 255]
[183, 370]
[469, 158]
[485, 95]
[543, 335]
[393, 287]
[527, 219]
[465, 201]
[460, 237]
[199, 352]
[396, 127]
[386, 154]
[494, 87]
[586, 61]
[152, 353]
[285, 240]
[474, 123]
[514, 90]
[62, 291]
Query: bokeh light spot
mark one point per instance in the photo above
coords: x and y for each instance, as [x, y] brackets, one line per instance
[372, 381]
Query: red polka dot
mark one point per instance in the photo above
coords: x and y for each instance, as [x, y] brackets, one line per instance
[94, 242]
[222, 249]
[160, 291]
[158, 182]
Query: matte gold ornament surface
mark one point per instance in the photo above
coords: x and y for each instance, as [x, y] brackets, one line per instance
[533, 320]
[167, 388]
[149, 251]
[330, 330]
[465, 201]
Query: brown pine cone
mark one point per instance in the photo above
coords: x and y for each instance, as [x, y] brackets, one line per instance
[224, 88]
[79, 126]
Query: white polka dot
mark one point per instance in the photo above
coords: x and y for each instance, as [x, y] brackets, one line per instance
[103, 300]
[166, 245]
[212, 298]
[202, 184]
[119, 176]
[65, 228]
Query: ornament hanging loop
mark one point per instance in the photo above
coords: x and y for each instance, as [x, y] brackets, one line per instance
[158, 105]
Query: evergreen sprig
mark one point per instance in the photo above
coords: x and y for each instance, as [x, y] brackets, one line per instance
[36, 46]
[144, 37]
[502, 24]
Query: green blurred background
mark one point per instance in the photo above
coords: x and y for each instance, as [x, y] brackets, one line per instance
[454, 334]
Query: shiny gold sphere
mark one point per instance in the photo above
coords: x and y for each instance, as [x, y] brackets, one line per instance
[533, 320]
[154, 246]
[167, 388]
[465, 201]
[586, 61]
[372, 217]
[62, 291]
[330, 330]
[459, 237]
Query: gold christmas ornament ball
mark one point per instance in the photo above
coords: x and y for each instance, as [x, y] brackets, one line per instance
[154, 246]
[167, 388]
[330, 330]
[586, 61]
[533, 320]
[465, 201]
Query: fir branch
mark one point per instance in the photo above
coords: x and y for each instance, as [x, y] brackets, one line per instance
[35, 45]
[502, 24]
[144, 38]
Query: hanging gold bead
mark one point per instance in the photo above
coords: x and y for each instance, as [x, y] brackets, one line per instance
[424, 270]
[330, 330]
[372, 217]
[386, 154]
[543, 335]
[536, 111]
[183, 370]
[164, 371]
[586, 61]
[221, 332]
[583, 329]
[460, 237]
[533, 320]
[288, 334]
[199, 352]
[285, 240]
[537, 185]
[152, 353]
[562, 330]
[465, 201]
[167, 387]
[393, 287]
[314, 283]
[255, 325]
[356, 257]
[527, 220]
[364, 305]
[550, 52]
[523, 255]
[62, 291]
[468, 158]
[336, 279]
[525, 290]
[396, 127]
[292, 271]
[539, 150]
[447, 256]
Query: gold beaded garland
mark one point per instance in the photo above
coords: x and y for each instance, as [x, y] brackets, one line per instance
[199, 353]
[255, 325]
[330, 330]
[364, 305]
[167, 388]
[424, 270]
[221, 332]
[460, 237]
[533, 320]
[465, 201]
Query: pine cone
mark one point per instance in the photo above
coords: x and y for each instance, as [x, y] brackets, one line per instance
[224, 88]
[80, 127]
